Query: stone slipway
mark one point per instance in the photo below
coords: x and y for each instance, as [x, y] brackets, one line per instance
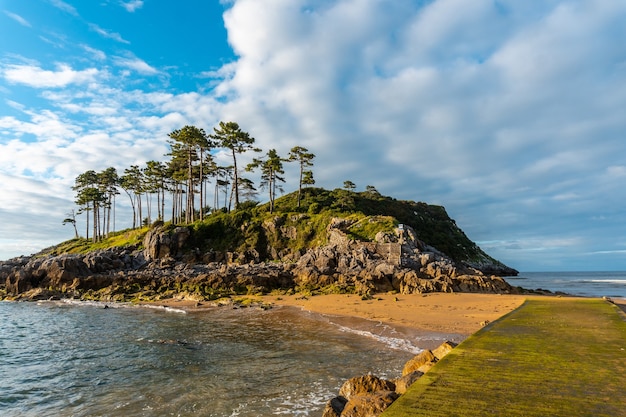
[550, 357]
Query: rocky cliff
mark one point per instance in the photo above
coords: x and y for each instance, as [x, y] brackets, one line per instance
[165, 267]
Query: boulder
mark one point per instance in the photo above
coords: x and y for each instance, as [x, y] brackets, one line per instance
[423, 358]
[404, 382]
[161, 243]
[365, 384]
[426, 367]
[19, 281]
[369, 404]
[334, 407]
[443, 349]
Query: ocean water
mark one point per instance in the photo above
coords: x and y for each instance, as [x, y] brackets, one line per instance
[586, 284]
[80, 359]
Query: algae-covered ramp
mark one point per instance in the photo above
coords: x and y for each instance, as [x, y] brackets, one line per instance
[550, 357]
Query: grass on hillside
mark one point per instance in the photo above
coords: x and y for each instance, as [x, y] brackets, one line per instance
[244, 228]
[550, 357]
[292, 228]
[129, 237]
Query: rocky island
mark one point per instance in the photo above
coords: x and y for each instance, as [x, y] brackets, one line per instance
[335, 241]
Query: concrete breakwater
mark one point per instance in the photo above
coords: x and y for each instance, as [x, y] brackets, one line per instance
[551, 356]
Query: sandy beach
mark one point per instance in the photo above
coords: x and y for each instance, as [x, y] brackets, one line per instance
[460, 313]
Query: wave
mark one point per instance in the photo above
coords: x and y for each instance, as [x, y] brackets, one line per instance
[381, 332]
[607, 281]
[163, 308]
[392, 342]
[115, 305]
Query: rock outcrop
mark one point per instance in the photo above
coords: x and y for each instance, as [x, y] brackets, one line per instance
[398, 262]
[395, 262]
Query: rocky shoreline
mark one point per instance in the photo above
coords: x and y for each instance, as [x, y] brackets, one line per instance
[165, 268]
[369, 395]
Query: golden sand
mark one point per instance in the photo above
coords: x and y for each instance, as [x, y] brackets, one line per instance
[461, 313]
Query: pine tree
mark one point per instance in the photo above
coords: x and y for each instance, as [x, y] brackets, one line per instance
[230, 136]
[305, 159]
[271, 168]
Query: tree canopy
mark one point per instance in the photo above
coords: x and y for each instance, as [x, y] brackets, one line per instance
[182, 181]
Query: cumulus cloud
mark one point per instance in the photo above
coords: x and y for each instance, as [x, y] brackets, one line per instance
[481, 111]
[508, 114]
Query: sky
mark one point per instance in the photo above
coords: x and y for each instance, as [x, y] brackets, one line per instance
[510, 114]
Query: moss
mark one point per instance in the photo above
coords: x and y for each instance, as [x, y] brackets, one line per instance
[337, 288]
[368, 227]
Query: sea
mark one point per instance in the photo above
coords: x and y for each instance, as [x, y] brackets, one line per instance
[584, 284]
[69, 358]
[66, 358]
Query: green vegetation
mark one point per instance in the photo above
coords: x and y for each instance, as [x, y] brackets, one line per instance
[185, 178]
[284, 226]
[298, 222]
[124, 238]
[366, 228]
[550, 357]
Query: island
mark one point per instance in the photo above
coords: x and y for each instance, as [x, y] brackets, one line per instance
[318, 242]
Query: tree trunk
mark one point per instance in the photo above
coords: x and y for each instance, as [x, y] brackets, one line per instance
[95, 222]
[201, 179]
[300, 183]
[235, 182]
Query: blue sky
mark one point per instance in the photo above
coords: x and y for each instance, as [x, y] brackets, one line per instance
[510, 114]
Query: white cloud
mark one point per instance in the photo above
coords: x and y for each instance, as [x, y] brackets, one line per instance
[133, 5]
[509, 115]
[35, 76]
[45, 124]
[136, 65]
[616, 171]
[106, 34]
[96, 53]
[19, 19]
[490, 107]
[67, 8]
